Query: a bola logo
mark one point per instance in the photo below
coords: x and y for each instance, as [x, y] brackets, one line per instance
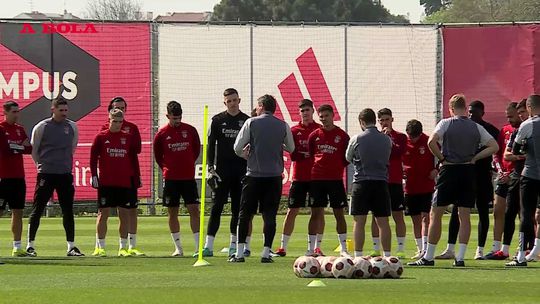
[74, 73]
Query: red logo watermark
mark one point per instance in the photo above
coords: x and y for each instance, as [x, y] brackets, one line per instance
[61, 28]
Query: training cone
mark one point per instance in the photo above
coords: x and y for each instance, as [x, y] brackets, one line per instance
[201, 263]
[225, 250]
[316, 283]
[350, 247]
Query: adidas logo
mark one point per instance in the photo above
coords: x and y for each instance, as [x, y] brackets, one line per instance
[224, 124]
[299, 134]
[168, 137]
[107, 141]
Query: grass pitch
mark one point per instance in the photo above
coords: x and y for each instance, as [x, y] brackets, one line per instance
[54, 278]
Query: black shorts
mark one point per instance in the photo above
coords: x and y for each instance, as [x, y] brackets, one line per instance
[262, 193]
[501, 190]
[484, 187]
[324, 191]
[396, 197]
[229, 185]
[371, 196]
[112, 197]
[12, 193]
[298, 194]
[174, 189]
[418, 203]
[530, 194]
[456, 184]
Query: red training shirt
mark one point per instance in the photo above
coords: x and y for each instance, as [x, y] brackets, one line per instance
[11, 163]
[131, 129]
[418, 163]
[395, 169]
[176, 149]
[498, 158]
[302, 162]
[115, 153]
[327, 148]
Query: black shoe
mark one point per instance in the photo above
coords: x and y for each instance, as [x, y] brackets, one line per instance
[234, 259]
[266, 260]
[75, 252]
[516, 263]
[458, 263]
[31, 252]
[422, 262]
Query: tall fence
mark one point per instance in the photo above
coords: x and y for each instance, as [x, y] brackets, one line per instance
[407, 68]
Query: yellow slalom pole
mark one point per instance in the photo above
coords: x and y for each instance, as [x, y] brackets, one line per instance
[200, 260]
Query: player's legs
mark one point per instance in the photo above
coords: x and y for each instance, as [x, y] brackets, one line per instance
[174, 224]
[248, 207]
[499, 208]
[101, 230]
[453, 231]
[270, 200]
[338, 201]
[42, 194]
[510, 215]
[464, 231]
[398, 207]
[221, 195]
[359, 234]
[533, 255]
[124, 216]
[14, 192]
[434, 231]
[386, 234]
[375, 237]
[483, 226]
[66, 192]
[314, 227]
[236, 193]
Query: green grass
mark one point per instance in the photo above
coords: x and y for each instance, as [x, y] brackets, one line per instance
[53, 278]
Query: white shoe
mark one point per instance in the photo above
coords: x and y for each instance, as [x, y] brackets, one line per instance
[419, 254]
[479, 255]
[345, 254]
[531, 258]
[446, 255]
[178, 253]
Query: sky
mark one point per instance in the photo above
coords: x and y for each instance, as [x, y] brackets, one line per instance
[161, 7]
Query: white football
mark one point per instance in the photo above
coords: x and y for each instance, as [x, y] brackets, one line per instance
[296, 270]
[362, 268]
[326, 267]
[395, 267]
[307, 267]
[343, 268]
[380, 268]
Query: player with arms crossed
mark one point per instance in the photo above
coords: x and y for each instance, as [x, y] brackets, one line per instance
[327, 147]
[115, 153]
[176, 148]
[13, 144]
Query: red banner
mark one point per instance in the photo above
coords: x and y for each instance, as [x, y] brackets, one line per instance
[88, 64]
[494, 64]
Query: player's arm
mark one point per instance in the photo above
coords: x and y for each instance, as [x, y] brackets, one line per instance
[346, 141]
[487, 141]
[525, 131]
[4, 146]
[75, 136]
[94, 158]
[312, 144]
[289, 140]
[158, 150]
[26, 143]
[138, 140]
[498, 157]
[243, 138]
[399, 144]
[434, 139]
[351, 148]
[196, 144]
[35, 141]
[211, 146]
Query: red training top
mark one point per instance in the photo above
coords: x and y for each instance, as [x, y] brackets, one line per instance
[418, 163]
[302, 162]
[115, 153]
[327, 148]
[498, 158]
[11, 162]
[131, 129]
[176, 149]
[399, 144]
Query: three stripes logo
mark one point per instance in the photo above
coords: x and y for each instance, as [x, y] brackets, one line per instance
[315, 83]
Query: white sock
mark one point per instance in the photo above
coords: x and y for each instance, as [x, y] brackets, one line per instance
[424, 242]
[480, 249]
[521, 256]
[319, 240]
[376, 244]
[248, 243]
[176, 240]
[450, 247]
[430, 252]
[342, 237]
[209, 242]
[505, 249]
[461, 252]
[284, 241]
[132, 240]
[536, 249]
[240, 250]
[196, 238]
[123, 243]
[266, 252]
[30, 244]
[233, 240]
[496, 246]
[401, 244]
[387, 254]
[358, 253]
[419, 244]
[312, 242]
[101, 243]
[17, 245]
[70, 245]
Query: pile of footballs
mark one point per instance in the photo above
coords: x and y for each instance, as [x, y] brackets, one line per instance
[348, 268]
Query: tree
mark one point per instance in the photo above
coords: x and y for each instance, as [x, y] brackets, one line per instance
[432, 6]
[304, 10]
[487, 11]
[114, 9]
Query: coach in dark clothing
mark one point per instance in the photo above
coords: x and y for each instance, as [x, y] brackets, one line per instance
[369, 152]
[261, 141]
